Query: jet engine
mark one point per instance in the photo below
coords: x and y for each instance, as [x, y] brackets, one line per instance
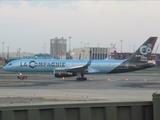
[63, 73]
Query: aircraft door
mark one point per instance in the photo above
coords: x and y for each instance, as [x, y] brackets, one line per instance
[18, 65]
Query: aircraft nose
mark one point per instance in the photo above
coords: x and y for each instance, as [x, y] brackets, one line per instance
[4, 68]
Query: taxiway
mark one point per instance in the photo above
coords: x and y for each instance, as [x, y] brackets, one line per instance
[108, 87]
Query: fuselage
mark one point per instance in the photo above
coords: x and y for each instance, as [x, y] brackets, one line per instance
[97, 66]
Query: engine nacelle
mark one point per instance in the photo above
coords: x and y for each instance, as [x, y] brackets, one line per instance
[63, 73]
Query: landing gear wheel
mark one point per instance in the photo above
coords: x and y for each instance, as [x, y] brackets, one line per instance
[84, 78]
[78, 79]
[81, 79]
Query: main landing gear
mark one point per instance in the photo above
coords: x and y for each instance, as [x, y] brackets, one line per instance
[80, 77]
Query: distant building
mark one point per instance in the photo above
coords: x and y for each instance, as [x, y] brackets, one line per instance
[119, 56]
[43, 56]
[8, 55]
[97, 53]
[2, 62]
[58, 48]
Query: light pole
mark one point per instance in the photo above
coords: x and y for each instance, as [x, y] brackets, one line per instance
[44, 49]
[133, 48]
[2, 49]
[19, 52]
[8, 53]
[121, 45]
[129, 48]
[69, 46]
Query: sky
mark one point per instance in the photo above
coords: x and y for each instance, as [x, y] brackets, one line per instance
[29, 25]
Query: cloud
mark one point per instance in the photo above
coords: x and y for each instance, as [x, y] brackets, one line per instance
[103, 22]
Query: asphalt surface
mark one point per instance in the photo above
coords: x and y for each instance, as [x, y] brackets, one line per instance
[109, 87]
[100, 81]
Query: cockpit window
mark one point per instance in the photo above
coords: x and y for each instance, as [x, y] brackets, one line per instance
[9, 64]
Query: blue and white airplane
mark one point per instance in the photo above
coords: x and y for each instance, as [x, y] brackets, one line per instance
[70, 68]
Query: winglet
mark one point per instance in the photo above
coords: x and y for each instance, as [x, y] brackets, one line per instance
[81, 68]
[90, 60]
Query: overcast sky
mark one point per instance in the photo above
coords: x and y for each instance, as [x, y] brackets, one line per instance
[29, 25]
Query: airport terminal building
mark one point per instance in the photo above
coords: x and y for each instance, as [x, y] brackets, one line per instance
[97, 53]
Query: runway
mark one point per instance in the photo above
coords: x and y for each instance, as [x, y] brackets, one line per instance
[103, 87]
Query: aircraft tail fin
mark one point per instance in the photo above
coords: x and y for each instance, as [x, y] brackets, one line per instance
[143, 53]
[90, 60]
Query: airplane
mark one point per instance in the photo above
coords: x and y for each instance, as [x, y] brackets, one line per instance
[69, 68]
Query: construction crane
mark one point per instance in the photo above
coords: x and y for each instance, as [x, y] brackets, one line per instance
[113, 45]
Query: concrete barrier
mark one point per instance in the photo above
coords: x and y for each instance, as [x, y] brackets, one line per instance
[140, 110]
[156, 106]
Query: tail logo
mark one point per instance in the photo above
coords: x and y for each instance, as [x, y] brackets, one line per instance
[144, 50]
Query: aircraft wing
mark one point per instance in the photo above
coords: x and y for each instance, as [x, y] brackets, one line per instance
[79, 68]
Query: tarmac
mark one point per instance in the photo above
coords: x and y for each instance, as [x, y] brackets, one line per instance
[40, 88]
